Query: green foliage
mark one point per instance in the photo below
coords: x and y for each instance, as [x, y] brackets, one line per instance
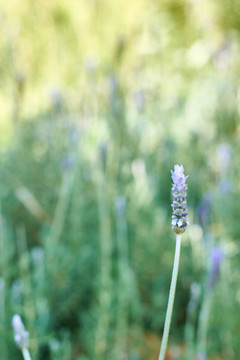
[99, 99]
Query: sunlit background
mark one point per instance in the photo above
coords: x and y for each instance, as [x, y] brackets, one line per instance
[98, 100]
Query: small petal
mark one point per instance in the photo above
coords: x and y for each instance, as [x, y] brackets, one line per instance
[180, 223]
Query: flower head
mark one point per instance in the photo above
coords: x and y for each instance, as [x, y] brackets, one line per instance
[179, 179]
[20, 334]
[179, 205]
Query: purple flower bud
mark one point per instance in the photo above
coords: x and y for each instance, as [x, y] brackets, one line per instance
[20, 334]
[178, 177]
[204, 209]
[179, 205]
[217, 257]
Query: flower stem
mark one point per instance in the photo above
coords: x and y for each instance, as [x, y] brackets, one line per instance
[26, 354]
[203, 325]
[170, 299]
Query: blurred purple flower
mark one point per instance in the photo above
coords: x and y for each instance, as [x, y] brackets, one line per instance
[73, 135]
[224, 154]
[217, 257]
[222, 56]
[204, 209]
[139, 98]
[201, 356]
[68, 162]
[103, 150]
[225, 186]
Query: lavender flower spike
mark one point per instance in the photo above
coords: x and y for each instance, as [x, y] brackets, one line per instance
[179, 223]
[179, 205]
[20, 334]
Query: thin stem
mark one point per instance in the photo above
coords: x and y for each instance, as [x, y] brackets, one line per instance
[203, 325]
[105, 294]
[26, 354]
[191, 321]
[170, 299]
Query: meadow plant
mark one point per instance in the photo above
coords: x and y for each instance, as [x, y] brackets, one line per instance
[21, 336]
[179, 224]
[123, 276]
[105, 281]
[216, 259]
[217, 256]
[3, 346]
[193, 304]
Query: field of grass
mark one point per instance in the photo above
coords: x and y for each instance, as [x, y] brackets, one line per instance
[99, 99]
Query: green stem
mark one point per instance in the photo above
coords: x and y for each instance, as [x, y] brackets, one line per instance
[123, 283]
[105, 295]
[191, 322]
[26, 354]
[203, 325]
[170, 299]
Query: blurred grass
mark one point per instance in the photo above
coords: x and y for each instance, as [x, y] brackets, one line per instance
[99, 100]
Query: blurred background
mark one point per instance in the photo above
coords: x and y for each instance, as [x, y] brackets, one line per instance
[99, 99]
